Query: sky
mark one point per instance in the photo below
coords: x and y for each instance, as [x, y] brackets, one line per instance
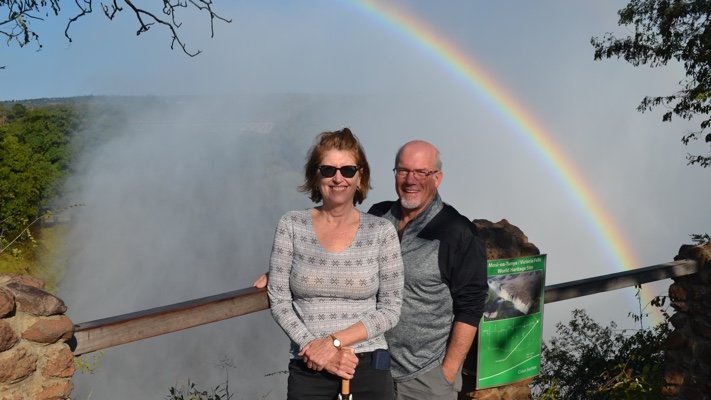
[182, 201]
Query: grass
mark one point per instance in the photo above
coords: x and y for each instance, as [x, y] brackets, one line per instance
[40, 256]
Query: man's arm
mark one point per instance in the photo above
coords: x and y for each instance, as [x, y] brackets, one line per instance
[460, 342]
[466, 276]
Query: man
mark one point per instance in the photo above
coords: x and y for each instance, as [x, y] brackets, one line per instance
[445, 280]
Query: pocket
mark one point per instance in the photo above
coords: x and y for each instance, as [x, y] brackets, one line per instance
[444, 378]
[457, 384]
[380, 360]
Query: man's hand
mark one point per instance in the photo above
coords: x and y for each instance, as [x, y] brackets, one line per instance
[460, 341]
[449, 374]
[261, 282]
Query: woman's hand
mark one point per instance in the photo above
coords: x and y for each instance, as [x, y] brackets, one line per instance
[343, 364]
[317, 353]
[320, 354]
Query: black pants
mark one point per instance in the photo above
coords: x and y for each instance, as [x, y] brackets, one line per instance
[368, 383]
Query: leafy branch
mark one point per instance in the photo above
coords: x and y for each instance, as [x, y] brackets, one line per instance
[663, 32]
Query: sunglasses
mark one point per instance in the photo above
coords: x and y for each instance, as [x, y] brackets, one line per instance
[347, 171]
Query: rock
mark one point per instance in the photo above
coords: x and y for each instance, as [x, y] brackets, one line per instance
[34, 301]
[701, 254]
[8, 337]
[504, 240]
[16, 364]
[50, 330]
[7, 302]
[60, 364]
[56, 391]
[673, 377]
[23, 279]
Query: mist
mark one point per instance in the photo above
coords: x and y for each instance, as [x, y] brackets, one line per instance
[181, 201]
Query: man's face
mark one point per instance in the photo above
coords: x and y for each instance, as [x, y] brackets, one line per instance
[416, 193]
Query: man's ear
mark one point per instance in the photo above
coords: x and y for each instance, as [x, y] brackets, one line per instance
[438, 178]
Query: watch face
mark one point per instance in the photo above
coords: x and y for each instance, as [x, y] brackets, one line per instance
[336, 342]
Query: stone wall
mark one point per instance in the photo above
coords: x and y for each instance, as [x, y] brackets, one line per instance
[35, 360]
[688, 347]
[502, 240]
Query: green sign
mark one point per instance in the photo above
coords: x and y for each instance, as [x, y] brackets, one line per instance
[509, 347]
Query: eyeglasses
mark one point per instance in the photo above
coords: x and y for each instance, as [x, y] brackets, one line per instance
[417, 173]
[347, 171]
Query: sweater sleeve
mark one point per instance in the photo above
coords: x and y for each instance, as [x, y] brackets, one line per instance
[467, 278]
[391, 277]
[278, 288]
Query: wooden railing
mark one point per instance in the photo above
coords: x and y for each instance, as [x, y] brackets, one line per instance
[108, 332]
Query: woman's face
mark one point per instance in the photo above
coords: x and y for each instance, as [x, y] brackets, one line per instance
[338, 190]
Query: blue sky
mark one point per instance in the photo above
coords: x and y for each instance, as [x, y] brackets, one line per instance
[539, 52]
[315, 46]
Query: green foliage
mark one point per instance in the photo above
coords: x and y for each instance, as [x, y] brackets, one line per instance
[664, 31]
[701, 239]
[87, 363]
[35, 155]
[191, 392]
[588, 361]
[17, 260]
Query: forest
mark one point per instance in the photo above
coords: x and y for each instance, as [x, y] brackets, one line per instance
[36, 150]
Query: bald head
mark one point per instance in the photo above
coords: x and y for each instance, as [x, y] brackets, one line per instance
[420, 149]
[418, 175]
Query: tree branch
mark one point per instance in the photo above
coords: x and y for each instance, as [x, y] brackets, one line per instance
[16, 25]
[84, 11]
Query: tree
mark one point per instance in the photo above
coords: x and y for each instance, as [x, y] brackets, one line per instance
[20, 15]
[35, 155]
[664, 31]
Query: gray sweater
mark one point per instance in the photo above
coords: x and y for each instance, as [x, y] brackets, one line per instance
[445, 267]
[314, 292]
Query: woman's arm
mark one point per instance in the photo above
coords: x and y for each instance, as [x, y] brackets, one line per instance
[278, 288]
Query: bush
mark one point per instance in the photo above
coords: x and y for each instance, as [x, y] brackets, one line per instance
[191, 392]
[588, 361]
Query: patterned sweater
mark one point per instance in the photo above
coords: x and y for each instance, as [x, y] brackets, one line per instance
[314, 292]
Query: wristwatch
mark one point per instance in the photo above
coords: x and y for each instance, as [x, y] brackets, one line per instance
[336, 342]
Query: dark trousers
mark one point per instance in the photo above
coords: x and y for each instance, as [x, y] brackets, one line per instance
[368, 383]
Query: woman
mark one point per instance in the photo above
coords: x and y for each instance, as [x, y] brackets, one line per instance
[336, 278]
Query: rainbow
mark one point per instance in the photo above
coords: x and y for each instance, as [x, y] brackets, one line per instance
[404, 23]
